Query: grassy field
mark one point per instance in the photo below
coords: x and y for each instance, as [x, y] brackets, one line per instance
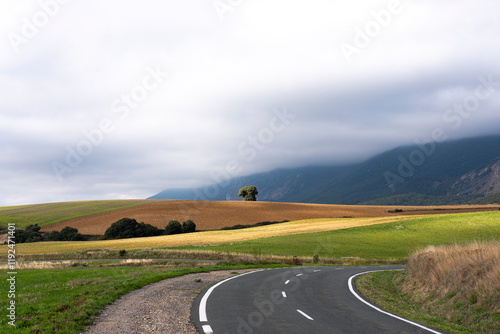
[386, 238]
[388, 241]
[202, 238]
[52, 213]
[65, 300]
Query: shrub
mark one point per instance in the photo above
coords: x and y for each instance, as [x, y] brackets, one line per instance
[130, 228]
[173, 227]
[70, 234]
[30, 234]
[188, 226]
[53, 236]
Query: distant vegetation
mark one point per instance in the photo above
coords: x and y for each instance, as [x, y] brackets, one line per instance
[422, 199]
[32, 234]
[239, 227]
[248, 193]
[130, 228]
[66, 234]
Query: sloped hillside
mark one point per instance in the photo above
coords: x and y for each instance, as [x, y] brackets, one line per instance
[483, 181]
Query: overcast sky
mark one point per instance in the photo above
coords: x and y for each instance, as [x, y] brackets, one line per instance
[122, 99]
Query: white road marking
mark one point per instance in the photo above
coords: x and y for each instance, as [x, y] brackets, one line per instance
[298, 275]
[350, 283]
[283, 293]
[203, 302]
[207, 329]
[287, 282]
[305, 315]
[317, 270]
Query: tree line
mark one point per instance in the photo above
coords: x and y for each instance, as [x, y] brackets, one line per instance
[121, 229]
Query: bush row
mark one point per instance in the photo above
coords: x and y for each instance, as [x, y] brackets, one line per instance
[130, 228]
[32, 234]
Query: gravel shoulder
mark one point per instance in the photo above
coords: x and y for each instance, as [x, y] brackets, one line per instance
[162, 307]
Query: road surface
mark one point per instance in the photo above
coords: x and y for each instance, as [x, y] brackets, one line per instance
[295, 300]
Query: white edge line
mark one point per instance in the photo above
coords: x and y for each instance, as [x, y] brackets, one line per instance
[203, 302]
[382, 311]
[305, 315]
[207, 329]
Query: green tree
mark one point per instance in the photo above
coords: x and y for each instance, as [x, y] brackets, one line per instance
[188, 226]
[66, 234]
[248, 193]
[70, 234]
[30, 234]
[173, 227]
[130, 228]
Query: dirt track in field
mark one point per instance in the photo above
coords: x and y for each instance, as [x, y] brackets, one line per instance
[213, 215]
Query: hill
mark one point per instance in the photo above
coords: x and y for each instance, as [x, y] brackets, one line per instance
[453, 172]
[213, 215]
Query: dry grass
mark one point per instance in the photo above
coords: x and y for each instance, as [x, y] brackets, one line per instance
[461, 282]
[214, 215]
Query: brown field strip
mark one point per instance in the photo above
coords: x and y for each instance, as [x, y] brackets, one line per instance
[214, 215]
[209, 237]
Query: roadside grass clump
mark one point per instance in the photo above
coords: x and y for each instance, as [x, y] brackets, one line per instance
[459, 282]
[452, 287]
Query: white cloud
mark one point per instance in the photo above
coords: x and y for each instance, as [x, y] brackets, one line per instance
[226, 76]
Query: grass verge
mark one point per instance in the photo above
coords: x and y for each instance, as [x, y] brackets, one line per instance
[65, 300]
[455, 288]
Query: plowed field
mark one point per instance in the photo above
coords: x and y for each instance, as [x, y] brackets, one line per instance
[213, 215]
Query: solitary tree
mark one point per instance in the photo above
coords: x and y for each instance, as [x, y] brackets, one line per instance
[248, 193]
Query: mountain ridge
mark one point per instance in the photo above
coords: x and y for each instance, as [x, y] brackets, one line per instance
[452, 172]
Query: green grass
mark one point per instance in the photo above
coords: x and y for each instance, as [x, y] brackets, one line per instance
[383, 289]
[51, 213]
[390, 241]
[65, 300]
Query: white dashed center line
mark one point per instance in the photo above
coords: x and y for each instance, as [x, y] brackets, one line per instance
[305, 315]
[207, 329]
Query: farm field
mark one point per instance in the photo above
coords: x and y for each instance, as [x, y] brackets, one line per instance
[94, 217]
[51, 213]
[208, 237]
[382, 238]
[388, 241]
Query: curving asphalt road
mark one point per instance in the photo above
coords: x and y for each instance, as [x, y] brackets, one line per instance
[295, 300]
